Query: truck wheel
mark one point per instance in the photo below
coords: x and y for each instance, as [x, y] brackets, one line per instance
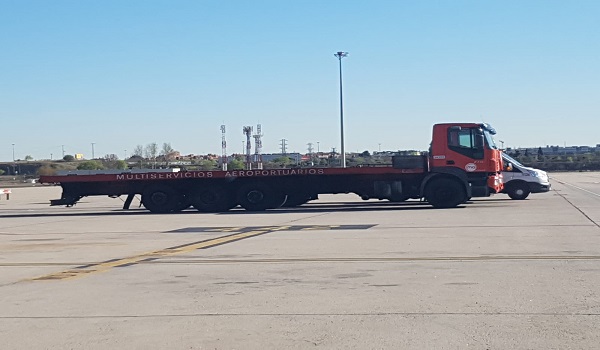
[294, 200]
[398, 198]
[259, 197]
[162, 199]
[519, 190]
[445, 193]
[212, 200]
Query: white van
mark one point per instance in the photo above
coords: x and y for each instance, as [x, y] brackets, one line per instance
[520, 181]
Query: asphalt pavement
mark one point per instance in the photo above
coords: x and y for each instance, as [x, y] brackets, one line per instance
[336, 273]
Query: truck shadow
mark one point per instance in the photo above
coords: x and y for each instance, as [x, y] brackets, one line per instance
[306, 208]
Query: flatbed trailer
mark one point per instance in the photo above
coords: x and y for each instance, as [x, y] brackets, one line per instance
[443, 180]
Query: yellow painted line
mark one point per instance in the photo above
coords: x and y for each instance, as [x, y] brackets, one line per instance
[105, 266]
[186, 248]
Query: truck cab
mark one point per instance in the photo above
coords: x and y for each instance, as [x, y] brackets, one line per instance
[520, 181]
[468, 150]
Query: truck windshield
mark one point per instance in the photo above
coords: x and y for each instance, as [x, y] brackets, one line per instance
[490, 139]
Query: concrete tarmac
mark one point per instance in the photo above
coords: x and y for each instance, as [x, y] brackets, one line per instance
[337, 273]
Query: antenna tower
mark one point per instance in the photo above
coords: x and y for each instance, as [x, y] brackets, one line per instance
[283, 146]
[223, 149]
[258, 147]
[248, 132]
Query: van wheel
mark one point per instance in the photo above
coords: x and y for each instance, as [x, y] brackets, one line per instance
[518, 191]
[259, 197]
[162, 199]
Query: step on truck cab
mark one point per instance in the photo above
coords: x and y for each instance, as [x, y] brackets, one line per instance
[463, 163]
[520, 181]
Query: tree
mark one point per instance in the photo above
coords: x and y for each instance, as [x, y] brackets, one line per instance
[235, 164]
[68, 158]
[166, 149]
[28, 158]
[151, 151]
[206, 164]
[46, 170]
[2, 172]
[138, 151]
[282, 161]
[90, 165]
[111, 157]
[119, 164]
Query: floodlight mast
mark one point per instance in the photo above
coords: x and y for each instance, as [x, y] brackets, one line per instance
[340, 55]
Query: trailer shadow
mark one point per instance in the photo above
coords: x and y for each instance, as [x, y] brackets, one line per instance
[306, 208]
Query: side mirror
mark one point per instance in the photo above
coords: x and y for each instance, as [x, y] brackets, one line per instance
[508, 167]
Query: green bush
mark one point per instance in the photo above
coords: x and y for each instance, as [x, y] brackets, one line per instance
[90, 165]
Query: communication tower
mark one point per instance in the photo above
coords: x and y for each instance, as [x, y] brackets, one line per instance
[223, 149]
[248, 132]
[258, 147]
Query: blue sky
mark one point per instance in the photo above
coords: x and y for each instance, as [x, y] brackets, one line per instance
[125, 73]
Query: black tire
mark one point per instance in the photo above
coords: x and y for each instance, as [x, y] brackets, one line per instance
[162, 199]
[518, 190]
[212, 199]
[259, 197]
[445, 193]
[294, 200]
[183, 204]
[396, 198]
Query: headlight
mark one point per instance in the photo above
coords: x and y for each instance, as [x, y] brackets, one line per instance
[534, 173]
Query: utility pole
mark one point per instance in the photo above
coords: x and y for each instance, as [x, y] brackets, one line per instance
[340, 55]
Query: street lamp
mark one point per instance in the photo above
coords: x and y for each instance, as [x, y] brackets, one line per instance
[93, 156]
[13, 152]
[340, 55]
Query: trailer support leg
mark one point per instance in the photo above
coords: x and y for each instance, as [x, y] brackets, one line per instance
[128, 200]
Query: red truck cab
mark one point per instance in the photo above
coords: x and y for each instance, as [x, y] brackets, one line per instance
[468, 150]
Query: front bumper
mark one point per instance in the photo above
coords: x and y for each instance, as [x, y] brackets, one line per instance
[539, 188]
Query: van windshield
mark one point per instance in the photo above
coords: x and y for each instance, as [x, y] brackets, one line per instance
[509, 159]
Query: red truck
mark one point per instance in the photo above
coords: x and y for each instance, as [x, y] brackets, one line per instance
[463, 162]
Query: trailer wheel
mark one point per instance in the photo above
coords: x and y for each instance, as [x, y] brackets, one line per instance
[518, 190]
[258, 197]
[212, 200]
[294, 200]
[398, 198]
[444, 193]
[162, 199]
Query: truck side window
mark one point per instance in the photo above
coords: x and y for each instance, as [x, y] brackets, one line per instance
[464, 141]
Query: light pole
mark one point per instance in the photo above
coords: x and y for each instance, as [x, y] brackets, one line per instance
[340, 55]
[13, 152]
[93, 143]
